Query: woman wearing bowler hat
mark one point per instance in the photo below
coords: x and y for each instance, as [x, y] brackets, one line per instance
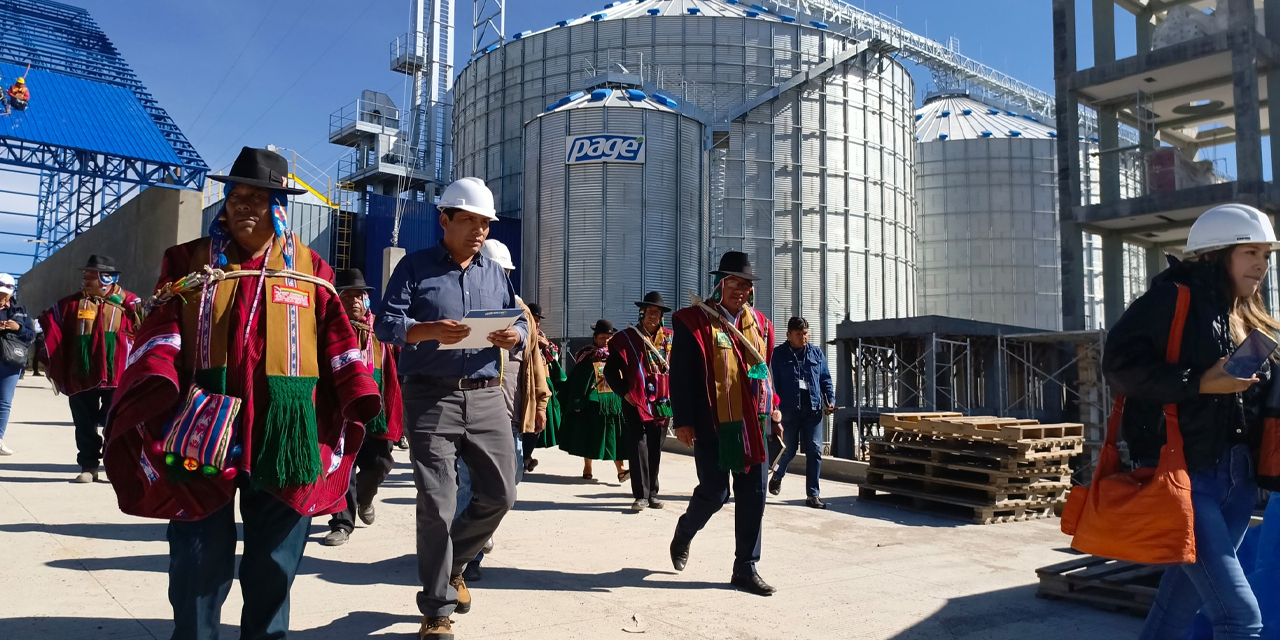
[593, 421]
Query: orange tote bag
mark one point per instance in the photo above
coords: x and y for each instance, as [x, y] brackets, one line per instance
[1143, 516]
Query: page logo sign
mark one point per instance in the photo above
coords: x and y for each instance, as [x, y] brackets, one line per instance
[604, 148]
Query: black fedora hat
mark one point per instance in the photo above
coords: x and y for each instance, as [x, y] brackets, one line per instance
[535, 310]
[350, 279]
[736, 263]
[105, 264]
[654, 299]
[260, 168]
[602, 326]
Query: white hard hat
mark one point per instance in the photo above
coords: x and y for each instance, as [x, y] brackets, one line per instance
[497, 252]
[1228, 225]
[7, 284]
[469, 194]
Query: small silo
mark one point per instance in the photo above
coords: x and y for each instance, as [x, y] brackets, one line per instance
[814, 179]
[988, 220]
[613, 207]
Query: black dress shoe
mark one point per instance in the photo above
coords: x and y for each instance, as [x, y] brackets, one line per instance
[775, 485]
[679, 553]
[752, 583]
[815, 503]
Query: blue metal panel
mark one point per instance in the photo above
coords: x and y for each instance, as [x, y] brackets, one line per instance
[90, 116]
[419, 229]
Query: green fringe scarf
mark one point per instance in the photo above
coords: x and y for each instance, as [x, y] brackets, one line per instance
[289, 447]
[378, 425]
[733, 446]
[84, 353]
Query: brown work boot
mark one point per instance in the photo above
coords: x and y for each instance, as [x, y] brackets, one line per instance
[464, 595]
[436, 628]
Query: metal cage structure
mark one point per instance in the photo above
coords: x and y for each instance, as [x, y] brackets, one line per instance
[93, 131]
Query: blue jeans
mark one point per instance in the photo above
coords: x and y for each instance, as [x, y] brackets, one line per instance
[202, 558]
[1223, 498]
[802, 427]
[464, 482]
[8, 384]
[1266, 571]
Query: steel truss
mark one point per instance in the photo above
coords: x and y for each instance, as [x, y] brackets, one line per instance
[78, 187]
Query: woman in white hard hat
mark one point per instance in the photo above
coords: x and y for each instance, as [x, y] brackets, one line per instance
[1220, 415]
[16, 336]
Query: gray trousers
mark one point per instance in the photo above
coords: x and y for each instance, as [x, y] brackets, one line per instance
[443, 426]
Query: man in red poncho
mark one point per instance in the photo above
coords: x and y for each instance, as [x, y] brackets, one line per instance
[247, 376]
[87, 337]
[637, 369]
[724, 407]
[374, 461]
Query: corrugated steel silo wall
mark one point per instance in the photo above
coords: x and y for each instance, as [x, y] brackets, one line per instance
[605, 234]
[989, 231]
[844, 231]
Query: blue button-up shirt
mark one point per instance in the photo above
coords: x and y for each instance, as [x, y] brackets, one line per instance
[427, 286]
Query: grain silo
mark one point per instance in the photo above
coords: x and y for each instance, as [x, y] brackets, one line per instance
[808, 148]
[613, 206]
[988, 218]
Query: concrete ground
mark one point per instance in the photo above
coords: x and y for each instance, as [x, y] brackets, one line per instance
[570, 562]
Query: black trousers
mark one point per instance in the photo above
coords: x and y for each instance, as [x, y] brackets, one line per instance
[202, 558]
[89, 413]
[646, 440]
[529, 441]
[712, 493]
[373, 464]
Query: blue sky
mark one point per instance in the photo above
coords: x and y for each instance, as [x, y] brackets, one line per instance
[253, 72]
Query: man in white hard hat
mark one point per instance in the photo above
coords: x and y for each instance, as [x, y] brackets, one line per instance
[453, 404]
[524, 384]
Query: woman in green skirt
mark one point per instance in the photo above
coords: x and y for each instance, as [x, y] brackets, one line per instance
[592, 425]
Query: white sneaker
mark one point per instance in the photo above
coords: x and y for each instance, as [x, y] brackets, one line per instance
[4, 449]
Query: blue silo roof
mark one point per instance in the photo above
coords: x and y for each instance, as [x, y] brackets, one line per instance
[92, 116]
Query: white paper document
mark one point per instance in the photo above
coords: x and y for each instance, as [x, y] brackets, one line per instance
[484, 322]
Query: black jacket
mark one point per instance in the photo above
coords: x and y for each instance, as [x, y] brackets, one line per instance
[1134, 364]
[18, 313]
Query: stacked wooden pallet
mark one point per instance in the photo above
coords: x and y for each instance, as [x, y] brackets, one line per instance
[978, 468]
[1107, 584]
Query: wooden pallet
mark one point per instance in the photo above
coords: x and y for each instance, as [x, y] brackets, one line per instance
[1036, 493]
[976, 478]
[943, 463]
[980, 427]
[972, 511]
[989, 455]
[1099, 582]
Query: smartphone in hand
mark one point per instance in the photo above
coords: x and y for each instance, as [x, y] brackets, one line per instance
[1250, 356]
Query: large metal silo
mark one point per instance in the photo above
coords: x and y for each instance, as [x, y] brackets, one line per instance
[809, 154]
[988, 216]
[612, 208]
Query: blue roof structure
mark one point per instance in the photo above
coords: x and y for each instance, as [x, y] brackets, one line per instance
[93, 133]
[87, 116]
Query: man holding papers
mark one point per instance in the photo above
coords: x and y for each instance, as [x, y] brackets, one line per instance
[453, 403]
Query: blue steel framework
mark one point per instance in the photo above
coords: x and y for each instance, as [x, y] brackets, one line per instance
[80, 186]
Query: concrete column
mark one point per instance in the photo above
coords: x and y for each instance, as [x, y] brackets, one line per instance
[1104, 51]
[1156, 263]
[1244, 70]
[1067, 113]
[1144, 26]
[390, 258]
[1112, 278]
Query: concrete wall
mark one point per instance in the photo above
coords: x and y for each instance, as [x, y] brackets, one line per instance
[136, 235]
